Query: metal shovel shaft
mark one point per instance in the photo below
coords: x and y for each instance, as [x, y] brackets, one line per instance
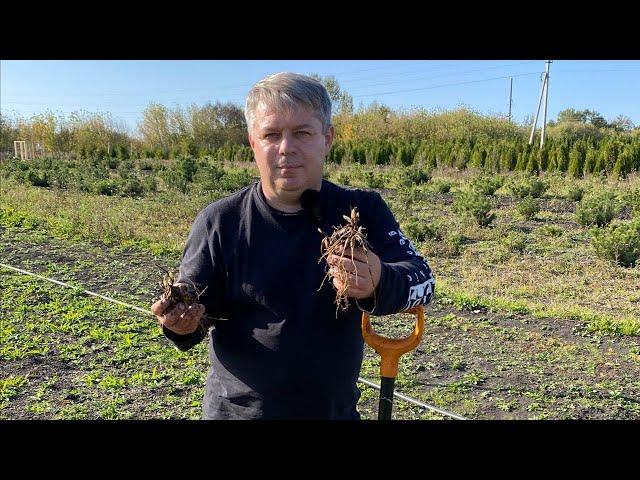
[386, 398]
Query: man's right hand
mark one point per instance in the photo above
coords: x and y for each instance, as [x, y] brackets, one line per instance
[177, 317]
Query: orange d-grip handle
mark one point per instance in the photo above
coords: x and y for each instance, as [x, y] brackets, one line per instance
[391, 349]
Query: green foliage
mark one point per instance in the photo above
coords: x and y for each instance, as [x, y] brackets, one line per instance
[487, 185]
[174, 179]
[122, 152]
[533, 187]
[404, 155]
[619, 243]
[125, 169]
[575, 193]
[452, 245]
[12, 218]
[421, 231]
[132, 187]
[442, 186]
[414, 195]
[514, 242]
[373, 179]
[234, 180]
[112, 163]
[632, 199]
[106, 187]
[207, 177]
[576, 162]
[528, 207]
[551, 231]
[581, 142]
[38, 178]
[145, 165]
[149, 184]
[336, 154]
[343, 179]
[475, 205]
[406, 177]
[599, 208]
[186, 166]
[9, 388]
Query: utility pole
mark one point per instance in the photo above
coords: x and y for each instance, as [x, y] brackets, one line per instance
[546, 97]
[544, 84]
[510, 97]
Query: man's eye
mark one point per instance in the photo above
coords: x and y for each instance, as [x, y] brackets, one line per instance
[303, 133]
[271, 135]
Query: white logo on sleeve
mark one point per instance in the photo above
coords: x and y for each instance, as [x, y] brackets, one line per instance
[421, 293]
[404, 242]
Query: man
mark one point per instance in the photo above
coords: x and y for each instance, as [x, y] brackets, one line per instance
[278, 349]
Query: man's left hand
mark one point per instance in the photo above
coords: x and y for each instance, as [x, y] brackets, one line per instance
[363, 278]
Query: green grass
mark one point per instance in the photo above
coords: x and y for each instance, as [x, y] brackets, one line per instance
[102, 353]
[87, 358]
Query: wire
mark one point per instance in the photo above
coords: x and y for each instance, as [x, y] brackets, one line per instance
[446, 85]
[217, 88]
[84, 291]
[354, 96]
[148, 312]
[414, 401]
[449, 74]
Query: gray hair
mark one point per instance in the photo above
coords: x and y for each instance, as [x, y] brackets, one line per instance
[286, 90]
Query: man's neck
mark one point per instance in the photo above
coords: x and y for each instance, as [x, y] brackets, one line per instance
[288, 202]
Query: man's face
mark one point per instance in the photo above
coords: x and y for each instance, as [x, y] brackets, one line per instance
[290, 148]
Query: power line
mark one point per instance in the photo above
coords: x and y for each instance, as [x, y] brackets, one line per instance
[592, 71]
[238, 96]
[234, 85]
[445, 85]
[354, 96]
[217, 89]
[188, 91]
[404, 79]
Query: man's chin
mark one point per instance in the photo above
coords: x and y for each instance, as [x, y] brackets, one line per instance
[291, 186]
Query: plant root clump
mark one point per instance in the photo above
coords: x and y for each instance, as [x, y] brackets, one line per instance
[342, 242]
[177, 293]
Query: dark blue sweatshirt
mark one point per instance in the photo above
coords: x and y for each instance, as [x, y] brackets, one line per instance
[280, 352]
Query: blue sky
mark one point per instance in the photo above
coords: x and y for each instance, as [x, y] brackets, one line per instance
[125, 87]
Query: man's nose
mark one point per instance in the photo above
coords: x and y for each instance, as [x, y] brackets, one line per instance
[287, 144]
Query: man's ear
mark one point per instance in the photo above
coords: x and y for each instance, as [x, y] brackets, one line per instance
[328, 139]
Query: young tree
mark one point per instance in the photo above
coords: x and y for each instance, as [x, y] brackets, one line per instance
[341, 101]
[154, 127]
[571, 115]
[576, 162]
[622, 123]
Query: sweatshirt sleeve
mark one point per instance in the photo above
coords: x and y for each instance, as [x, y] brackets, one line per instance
[201, 270]
[406, 280]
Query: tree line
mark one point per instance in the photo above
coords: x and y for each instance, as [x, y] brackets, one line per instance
[578, 142]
